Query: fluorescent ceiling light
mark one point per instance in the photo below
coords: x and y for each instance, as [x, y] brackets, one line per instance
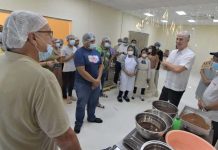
[148, 14]
[191, 20]
[215, 20]
[164, 21]
[181, 13]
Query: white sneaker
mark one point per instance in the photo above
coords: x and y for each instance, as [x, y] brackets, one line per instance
[69, 100]
[73, 98]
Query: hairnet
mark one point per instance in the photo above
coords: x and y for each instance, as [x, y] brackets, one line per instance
[88, 37]
[18, 25]
[157, 44]
[105, 39]
[70, 36]
[125, 40]
[120, 40]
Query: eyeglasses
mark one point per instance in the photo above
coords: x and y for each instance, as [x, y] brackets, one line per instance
[49, 32]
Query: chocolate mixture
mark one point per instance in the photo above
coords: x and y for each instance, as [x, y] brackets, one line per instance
[196, 120]
[149, 126]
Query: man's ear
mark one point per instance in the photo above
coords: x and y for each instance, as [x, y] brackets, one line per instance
[32, 39]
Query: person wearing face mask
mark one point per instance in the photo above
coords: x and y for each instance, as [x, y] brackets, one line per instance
[143, 74]
[207, 74]
[106, 55]
[121, 51]
[119, 42]
[31, 104]
[89, 70]
[136, 50]
[209, 100]
[127, 77]
[154, 59]
[160, 55]
[69, 69]
[76, 42]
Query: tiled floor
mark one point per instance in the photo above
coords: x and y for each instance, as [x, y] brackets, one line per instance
[119, 117]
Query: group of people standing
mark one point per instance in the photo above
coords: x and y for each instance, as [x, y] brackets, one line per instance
[137, 69]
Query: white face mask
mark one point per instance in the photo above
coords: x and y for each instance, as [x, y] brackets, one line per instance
[72, 42]
[92, 46]
[107, 45]
[149, 50]
[133, 44]
[144, 55]
[130, 53]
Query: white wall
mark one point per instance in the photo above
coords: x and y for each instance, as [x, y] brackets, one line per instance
[85, 15]
[203, 40]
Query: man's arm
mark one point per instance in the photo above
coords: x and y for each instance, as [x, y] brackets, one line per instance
[68, 141]
[67, 58]
[85, 74]
[174, 68]
[213, 106]
[100, 71]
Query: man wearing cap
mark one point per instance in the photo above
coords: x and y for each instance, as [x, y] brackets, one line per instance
[207, 75]
[89, 70]
[209, 100]
[32, 115]
[178, 66]
[121, 51]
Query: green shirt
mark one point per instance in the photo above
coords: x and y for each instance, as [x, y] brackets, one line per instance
[106, 56]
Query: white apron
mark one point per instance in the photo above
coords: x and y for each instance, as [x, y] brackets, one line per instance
[126, 82]
[152, 87]
[142, 74]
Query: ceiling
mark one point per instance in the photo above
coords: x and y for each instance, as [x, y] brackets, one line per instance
[203, 11]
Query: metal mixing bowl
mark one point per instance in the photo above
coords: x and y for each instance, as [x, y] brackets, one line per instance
[168, 120]
[155, 145]
[149, 132]
[166, 107]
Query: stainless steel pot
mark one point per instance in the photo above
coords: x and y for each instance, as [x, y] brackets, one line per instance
[166, 107]
[168, 120]
[155, 145]
[155, 126]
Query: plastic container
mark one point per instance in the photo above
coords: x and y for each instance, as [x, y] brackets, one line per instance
[182, 140]
[177, 123]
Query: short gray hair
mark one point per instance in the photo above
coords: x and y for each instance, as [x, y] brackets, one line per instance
[88, 37]
[184, 34]
[69, 36]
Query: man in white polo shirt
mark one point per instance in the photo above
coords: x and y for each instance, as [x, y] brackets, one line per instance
[209, 101]
[178, 66]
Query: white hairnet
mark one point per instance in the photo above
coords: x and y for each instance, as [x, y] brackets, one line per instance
[70, 36]
[88, 37]
[18, 25]
[106, 39]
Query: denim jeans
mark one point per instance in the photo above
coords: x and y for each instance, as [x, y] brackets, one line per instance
[103, 79]
[86, 96]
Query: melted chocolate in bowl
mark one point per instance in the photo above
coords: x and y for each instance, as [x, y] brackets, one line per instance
[149, 126]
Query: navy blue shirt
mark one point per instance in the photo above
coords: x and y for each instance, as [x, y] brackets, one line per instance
[90, 59]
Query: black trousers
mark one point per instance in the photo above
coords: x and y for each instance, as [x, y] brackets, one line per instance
[68, 83]
[142, 91]
[117, 71]
[173, 96]
[215, 135]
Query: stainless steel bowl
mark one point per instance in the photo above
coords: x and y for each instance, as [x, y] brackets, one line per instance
[168, 120]
[150, 126]
[155, 145]
[166, 107]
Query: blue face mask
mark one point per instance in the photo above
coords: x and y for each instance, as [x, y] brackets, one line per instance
[72, 42]
[43, 56]
[215, 66]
